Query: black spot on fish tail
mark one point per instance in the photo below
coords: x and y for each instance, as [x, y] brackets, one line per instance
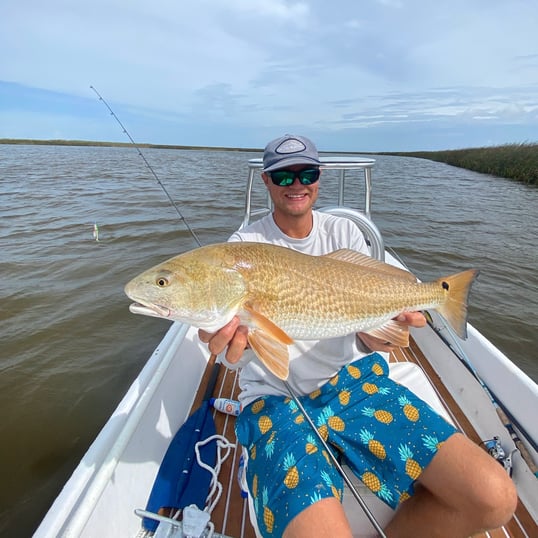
[454, 308]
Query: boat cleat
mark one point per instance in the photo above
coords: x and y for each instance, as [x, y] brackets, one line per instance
[195, 521]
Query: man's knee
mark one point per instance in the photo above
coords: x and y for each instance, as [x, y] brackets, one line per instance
[498, 500]
[493, 501]
[465, 477]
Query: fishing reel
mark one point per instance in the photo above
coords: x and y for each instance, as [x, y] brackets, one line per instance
[494, 448]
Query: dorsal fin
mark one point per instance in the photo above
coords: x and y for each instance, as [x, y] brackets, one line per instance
[352, 256]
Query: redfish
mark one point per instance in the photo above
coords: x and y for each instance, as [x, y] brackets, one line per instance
[282, 295]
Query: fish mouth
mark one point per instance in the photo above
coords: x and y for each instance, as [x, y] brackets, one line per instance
[153, 310]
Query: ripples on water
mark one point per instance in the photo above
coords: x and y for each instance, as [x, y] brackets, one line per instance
[70, 347]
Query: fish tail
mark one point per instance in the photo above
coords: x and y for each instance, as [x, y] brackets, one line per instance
[454, 309]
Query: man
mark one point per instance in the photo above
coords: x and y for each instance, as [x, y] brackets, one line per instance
[440, 482]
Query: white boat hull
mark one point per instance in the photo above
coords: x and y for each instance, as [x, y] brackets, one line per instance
[116, 474]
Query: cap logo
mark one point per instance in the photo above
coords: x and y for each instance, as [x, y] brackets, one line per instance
[292, 145]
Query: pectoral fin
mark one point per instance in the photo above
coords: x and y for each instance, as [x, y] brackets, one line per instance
[273, 354]
[270, 343]
[393, 331]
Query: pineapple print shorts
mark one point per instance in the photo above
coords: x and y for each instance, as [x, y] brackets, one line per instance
[385, 433]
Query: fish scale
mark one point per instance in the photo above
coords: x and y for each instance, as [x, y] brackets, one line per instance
[327, 298]
[282, 295]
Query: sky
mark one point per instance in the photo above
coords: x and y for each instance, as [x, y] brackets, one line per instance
[353, 75]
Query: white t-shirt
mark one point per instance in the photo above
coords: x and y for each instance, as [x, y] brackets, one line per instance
[312, 362]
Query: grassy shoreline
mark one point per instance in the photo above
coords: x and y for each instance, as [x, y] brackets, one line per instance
[512, 161]
[93, 143]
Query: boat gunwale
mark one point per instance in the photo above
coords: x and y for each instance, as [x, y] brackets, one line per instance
[75, 492]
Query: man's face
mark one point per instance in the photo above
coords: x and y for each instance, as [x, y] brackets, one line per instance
[295, 200]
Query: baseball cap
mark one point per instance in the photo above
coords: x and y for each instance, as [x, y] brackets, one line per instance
[289, 150]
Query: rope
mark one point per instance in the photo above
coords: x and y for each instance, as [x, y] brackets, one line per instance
[224, 448]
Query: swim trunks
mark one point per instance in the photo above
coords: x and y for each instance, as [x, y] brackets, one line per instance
[382, 430]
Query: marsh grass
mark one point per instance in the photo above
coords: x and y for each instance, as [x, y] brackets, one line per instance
[512, 161]
[93, 143]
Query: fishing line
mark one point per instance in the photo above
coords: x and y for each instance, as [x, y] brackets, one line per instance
[346, 478]
[181, 217]
[452, 342]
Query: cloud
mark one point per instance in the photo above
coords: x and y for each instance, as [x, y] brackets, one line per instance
[274, 9]
[263, 67]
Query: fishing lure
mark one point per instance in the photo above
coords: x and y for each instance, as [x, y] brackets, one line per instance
[180, 215]
[96, 232]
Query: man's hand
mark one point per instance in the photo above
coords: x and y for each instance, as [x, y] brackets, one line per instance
[232, 336]
[413, 319]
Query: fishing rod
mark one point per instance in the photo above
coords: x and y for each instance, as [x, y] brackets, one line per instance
[336, 463]
[340, 469]
[502, 413]
[452, 342]
[181, 217]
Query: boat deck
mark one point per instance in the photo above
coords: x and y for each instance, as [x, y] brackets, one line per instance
[231, 516]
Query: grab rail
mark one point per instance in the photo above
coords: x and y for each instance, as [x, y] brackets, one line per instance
[343, 164]
[362, 219]
[366, 226]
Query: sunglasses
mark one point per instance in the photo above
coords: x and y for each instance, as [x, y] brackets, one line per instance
[285, 178]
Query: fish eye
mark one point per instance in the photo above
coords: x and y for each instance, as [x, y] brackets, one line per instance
[162, 281]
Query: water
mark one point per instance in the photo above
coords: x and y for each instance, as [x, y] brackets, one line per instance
[70, 348]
